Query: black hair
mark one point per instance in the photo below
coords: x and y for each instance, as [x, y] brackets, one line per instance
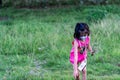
[87, 29]
[81, 27]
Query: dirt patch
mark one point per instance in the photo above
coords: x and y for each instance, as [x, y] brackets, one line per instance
[37, 69]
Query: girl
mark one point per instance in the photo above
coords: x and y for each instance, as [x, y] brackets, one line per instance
[80, 45]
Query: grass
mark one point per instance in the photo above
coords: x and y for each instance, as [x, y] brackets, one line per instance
[35, 44]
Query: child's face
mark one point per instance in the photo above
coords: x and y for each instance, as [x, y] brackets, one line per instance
[83, 33]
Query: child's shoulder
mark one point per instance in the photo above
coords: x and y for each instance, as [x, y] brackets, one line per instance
[74, 40]
[88, 37]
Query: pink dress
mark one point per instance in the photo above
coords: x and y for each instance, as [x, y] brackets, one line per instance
[81, 55]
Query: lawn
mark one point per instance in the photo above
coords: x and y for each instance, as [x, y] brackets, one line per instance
[35, 43]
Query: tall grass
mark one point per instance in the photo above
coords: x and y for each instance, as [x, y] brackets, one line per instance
[51, 3]
[35, 44]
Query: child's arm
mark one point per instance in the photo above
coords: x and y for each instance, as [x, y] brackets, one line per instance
[75, 58]
[90, 49]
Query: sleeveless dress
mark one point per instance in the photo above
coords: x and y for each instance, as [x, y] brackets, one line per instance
[82, 54]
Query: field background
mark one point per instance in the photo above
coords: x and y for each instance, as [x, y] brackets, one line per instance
[35, 43]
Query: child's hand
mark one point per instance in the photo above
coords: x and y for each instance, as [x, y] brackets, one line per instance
[75, 73]
[92, 52]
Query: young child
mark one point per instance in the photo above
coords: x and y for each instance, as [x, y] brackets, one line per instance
[80, 45]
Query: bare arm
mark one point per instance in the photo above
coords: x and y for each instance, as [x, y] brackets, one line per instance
[75, 58]
[90, 49]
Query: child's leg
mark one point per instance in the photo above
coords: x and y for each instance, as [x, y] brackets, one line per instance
[84, 72]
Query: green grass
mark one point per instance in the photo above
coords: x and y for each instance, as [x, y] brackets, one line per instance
[35, 44]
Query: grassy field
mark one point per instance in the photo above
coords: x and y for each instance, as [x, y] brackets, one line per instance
[35, 43]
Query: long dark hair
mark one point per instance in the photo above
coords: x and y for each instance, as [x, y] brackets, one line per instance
[80, 27]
